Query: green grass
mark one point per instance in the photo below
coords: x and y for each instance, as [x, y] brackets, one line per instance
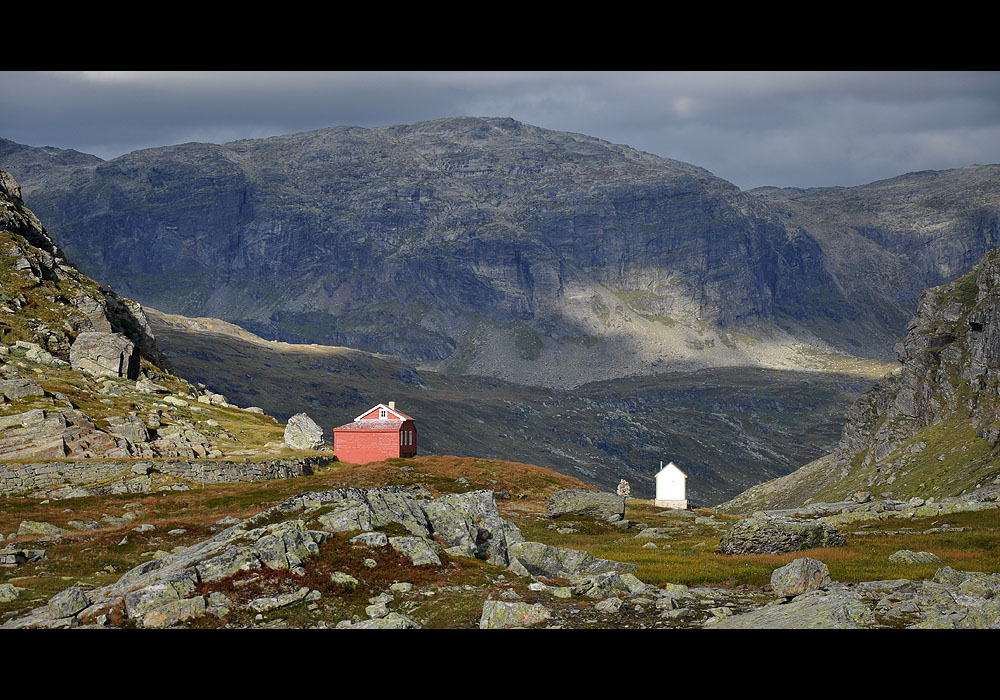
[691, 559]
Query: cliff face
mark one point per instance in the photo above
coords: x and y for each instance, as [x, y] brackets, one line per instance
[933, 427]
[45, 300]
[494, 247]
[422, 240]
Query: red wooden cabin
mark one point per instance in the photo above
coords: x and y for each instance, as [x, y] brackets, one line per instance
[381, 432]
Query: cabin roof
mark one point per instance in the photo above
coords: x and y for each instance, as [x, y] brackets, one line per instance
[668, 466]
[394, 411]
[377, 424]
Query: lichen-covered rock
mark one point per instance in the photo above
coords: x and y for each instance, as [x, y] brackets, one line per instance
[281, 600]
[34, 527]
[19, 388]
[342, 579]
[609, 605]
[606, 584]
[905, 556]
[143, 600]
[499, 615]
[9, 592]
[814, 610]
[596, 504]
[420, 550]
[762, 533]
[302, 433]
[392, 621]
[175, 612]
[68, 602]
[105, 355]
[800, 576]
[370, 539]
[471, 521]
[538, 559]
[132, 428]
[285, 545]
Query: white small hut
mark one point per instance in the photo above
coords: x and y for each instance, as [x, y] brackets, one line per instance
[671, 487]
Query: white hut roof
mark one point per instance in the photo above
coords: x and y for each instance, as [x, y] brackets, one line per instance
[671, 465]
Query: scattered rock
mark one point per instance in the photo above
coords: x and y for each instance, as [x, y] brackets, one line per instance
[9, 592]
[905, 556]
[343, 579]
[32, 527]
[392, 621]
[370, 539]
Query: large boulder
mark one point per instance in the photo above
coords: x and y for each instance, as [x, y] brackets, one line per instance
[596, 504]
[498, 615]
[302, 433]
[814, 610]
[800, 576]
[538, 559]
[105, 355]
[470, 522]
[20, 387]
[762, 533]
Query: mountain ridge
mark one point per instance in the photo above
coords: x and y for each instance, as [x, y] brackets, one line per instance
[545, 243]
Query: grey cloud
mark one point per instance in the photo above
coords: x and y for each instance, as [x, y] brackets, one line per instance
[788, 129]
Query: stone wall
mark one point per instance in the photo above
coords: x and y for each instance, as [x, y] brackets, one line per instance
[59, 479]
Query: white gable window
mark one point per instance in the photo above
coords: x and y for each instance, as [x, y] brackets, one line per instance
[381, 413]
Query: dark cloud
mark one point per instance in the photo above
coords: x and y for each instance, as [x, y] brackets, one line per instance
[799, 129]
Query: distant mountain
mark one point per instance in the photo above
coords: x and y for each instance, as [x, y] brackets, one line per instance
[493, 247]
[932, 428]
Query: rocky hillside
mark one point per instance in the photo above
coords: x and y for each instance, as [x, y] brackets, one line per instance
[493, 247]
[885, 242]
[84, 390]
[443, 542]
[932, 428]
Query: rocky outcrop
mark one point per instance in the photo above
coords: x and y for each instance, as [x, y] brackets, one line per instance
[41, 434]
[814, 610]
[499, 615]
[469, 522]
[105, 355]
[764, 533]
[53, 289]
[538, 559]
[933, 427]
[605, 506]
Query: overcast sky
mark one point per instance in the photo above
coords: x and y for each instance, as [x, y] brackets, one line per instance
[786, 129]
